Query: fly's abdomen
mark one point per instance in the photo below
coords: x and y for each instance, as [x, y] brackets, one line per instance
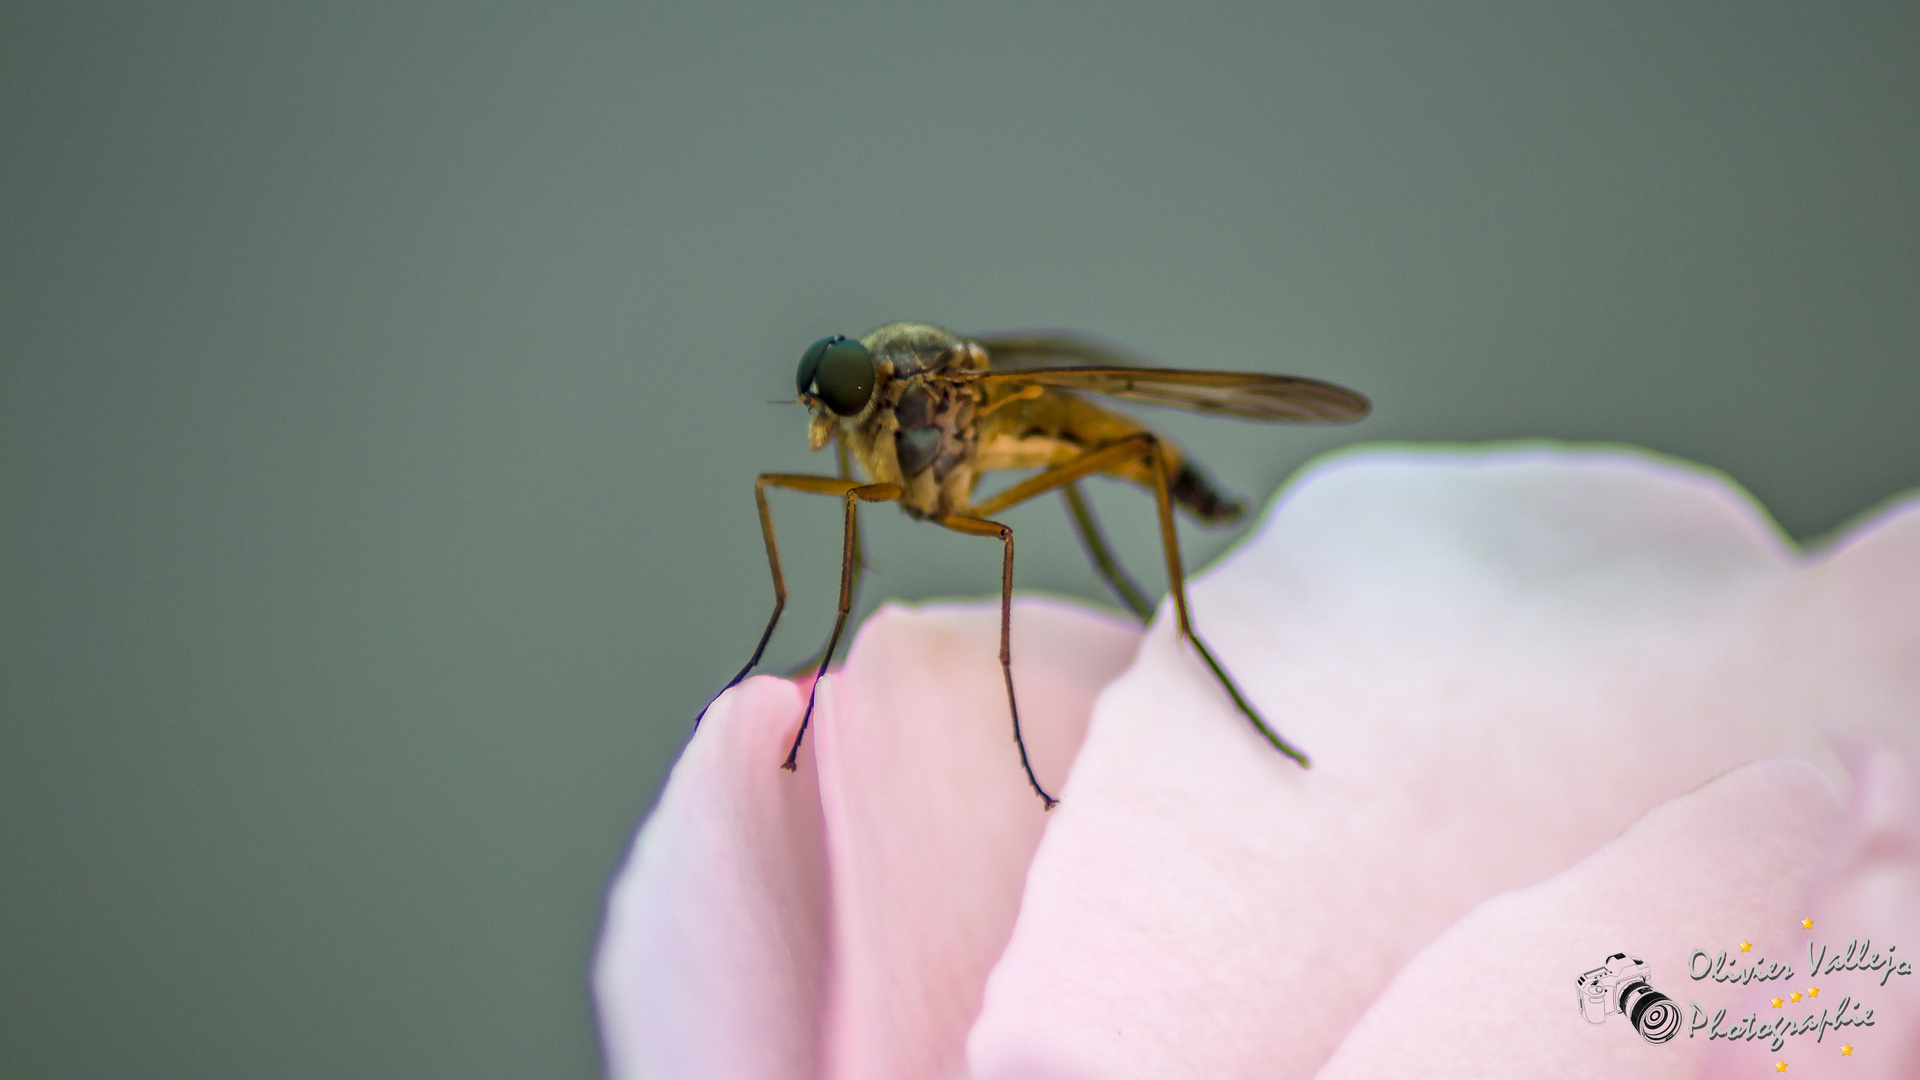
[1195, 493]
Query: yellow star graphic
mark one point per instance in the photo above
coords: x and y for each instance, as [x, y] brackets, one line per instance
[1813, 991]
[1745, 945]
[1795, 996]
[1847, 1050]
[1776, 1003]
[1780, 1067]
[1806, 924]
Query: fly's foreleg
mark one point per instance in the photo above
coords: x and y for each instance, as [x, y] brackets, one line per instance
[818, 485]
[854, 494]
[779, 595]
[860, 564]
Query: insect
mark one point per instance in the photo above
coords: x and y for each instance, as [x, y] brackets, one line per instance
[927, 413]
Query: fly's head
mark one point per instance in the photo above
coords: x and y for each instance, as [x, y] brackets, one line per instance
[836, 380]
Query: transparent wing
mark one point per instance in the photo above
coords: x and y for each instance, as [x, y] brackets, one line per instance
[1245, 395]
[1019, 349]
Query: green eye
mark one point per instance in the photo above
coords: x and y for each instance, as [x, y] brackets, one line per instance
[838, 371]
[810, 362]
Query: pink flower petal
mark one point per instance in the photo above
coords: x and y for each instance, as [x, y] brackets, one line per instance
[930, 821]
[1498, 661]
[1494, 996]
[1849, 645]
[1867, 894]
[714, 954]
[754, 935]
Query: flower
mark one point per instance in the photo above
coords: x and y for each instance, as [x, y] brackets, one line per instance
[1561, 704]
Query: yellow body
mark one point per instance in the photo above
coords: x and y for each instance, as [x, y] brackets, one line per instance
[976, 426]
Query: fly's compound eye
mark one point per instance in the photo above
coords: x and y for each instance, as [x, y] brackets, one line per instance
[838, 371]
[810, 362]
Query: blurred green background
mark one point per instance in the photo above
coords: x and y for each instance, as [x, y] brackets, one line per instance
[383, 386]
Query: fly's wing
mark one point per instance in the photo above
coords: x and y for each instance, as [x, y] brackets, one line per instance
[1051, 348]
[1244, 395]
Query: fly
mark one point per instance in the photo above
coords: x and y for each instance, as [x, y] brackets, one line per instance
[926, 414]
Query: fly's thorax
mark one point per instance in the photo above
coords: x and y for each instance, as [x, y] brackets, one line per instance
[910, 349]
[920, 435]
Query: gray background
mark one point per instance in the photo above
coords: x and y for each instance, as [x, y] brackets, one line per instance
[382, 390]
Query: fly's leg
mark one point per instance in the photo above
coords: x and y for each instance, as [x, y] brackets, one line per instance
[974, 526]
[1176, 581]
[1096, 544]
[854, 494]
[859, 561]
[1144, 446]
[779, 595]
[818, 485]
[843, 458]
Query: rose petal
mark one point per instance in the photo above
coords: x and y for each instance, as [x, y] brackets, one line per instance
[713, 957]
[1869, 892]
[1494, 996]
[715, 960]
[930, 821]
[1498, 660]
[1850, 648]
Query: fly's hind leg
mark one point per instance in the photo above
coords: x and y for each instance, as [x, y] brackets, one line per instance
[1103, 560]
[1176, 582]
[1141, 447]
[974, 526]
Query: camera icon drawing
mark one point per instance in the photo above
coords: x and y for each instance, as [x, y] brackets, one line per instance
[1623, 984]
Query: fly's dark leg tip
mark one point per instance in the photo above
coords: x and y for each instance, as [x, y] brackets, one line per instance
[1034, 781]
[793, 755]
